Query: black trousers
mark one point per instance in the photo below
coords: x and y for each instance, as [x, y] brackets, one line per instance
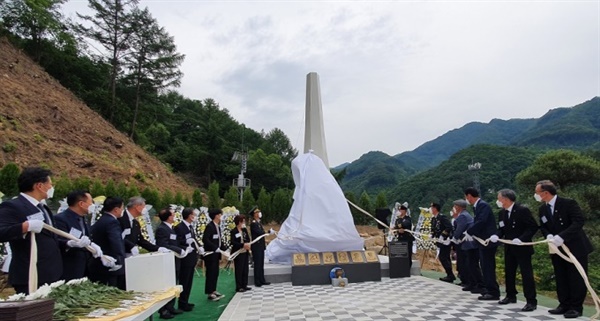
[475, 277]
[487, 258]
[241, 271]
[513, 258]
[444, 258]
[462, 265]
[170, 306]
[186, 277]
[570, 287]
[212, 272]
[258, 256]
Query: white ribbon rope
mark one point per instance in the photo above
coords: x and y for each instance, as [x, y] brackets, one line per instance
[553, 249]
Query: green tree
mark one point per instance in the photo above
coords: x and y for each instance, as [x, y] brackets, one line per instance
[264, 203]
[248, 201]
[110, 189]
[132, 191]
[231, 197]
[8, 179]
[167, 199]
[180, 199]
[110, 26]
[197, 198]
[151, 196]
[357, 216]
[365, 203]
[62, 186]
[82, 183]
[121, 190]
[276, 142]
[97, 189]
[35, 20]
[214, 200]
[281, 204]
[153, 61]
[381, 201]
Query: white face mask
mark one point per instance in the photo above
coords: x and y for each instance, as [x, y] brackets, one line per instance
[499, 204]
[243, 225]
[91, 209]
[145, 211]
[259, 214]
[50, 192]
[537, 197]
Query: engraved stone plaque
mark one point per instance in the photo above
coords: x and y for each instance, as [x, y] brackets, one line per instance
[342, 257]
[371, 256]
[357, 257]
[314, 259]
[328, 258]
[299, 259]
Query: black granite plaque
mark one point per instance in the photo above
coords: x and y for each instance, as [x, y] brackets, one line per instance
[399, 259]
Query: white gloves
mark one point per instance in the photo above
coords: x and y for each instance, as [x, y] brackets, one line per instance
[218, 250]
[201, 250]
[189, 241]
[494, 238]
[135, 251]
[440, 239]
[271, 231]
[163, 250]
[558, 241]
[183, 253]
[35, 226]
[82, 242]
[549, 237]
[109, 262]
[517, 241]
[468, 237]
[98, 250]
[189, 250]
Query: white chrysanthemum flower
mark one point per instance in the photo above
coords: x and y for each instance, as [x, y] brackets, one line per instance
[16, 297]
[57, 284]
[41, 293]
[77, 281]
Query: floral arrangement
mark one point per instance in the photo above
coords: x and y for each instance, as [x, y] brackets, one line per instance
[177, 209]
[82, 298]
[424, 227]
[200, 224]
[227, 224]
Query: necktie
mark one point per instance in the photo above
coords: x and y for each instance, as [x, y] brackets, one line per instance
[82, 226]
[550, 210]
[192, 232]
[46, 217]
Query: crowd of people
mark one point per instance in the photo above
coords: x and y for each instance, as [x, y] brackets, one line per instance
[98, 252]
[560, 222]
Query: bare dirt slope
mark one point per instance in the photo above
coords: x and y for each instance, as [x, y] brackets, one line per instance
[43, 123]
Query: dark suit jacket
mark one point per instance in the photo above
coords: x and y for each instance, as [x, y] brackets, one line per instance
[74, 259]
[166, 237]
[238, 239]
[463, 222]
[521, 225]
[135, 235]
[441, 226]
[12, 215]
[256, 230]
[106, 233]
[211, 241]
[183, 234]
[566, 222]
[484, 224]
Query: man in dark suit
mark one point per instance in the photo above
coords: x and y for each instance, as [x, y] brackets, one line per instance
[212, 240]
[186, 237]
[132, 232]
[484, 226]
[72, 220]
[468, 252]
[106, 232]
[166, 237]
[258, 248]
[441, 231]
[516, 223]
[562, 223]
[24, 214]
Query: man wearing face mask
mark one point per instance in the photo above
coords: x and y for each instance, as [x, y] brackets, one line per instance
[132, 231]
[186, 237]
[517, 224]
[562, 223]
[106, 232]
[72, 220]
[258, 248]
[27, 213]
[212, 240]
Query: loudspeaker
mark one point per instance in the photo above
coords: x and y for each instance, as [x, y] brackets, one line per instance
[382, 214]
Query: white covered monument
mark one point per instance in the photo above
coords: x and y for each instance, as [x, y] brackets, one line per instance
[320, 218]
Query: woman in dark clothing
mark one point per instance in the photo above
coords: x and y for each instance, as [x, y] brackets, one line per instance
[240, 239]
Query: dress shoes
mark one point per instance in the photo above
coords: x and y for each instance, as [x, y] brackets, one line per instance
[447, 279]
[477, 290]
[488, 297]
[529, 307]
[467, 288]
[258, 285]
[241, 290]
[559, 310]
[247, 288]
[166, 315]
[507, 300]
[266, 283]
[572, 314]
[175, 311]
[186, 308]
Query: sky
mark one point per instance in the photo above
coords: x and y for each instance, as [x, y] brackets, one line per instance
[393, 74]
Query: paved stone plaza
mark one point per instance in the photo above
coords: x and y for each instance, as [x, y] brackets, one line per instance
[415, 298]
